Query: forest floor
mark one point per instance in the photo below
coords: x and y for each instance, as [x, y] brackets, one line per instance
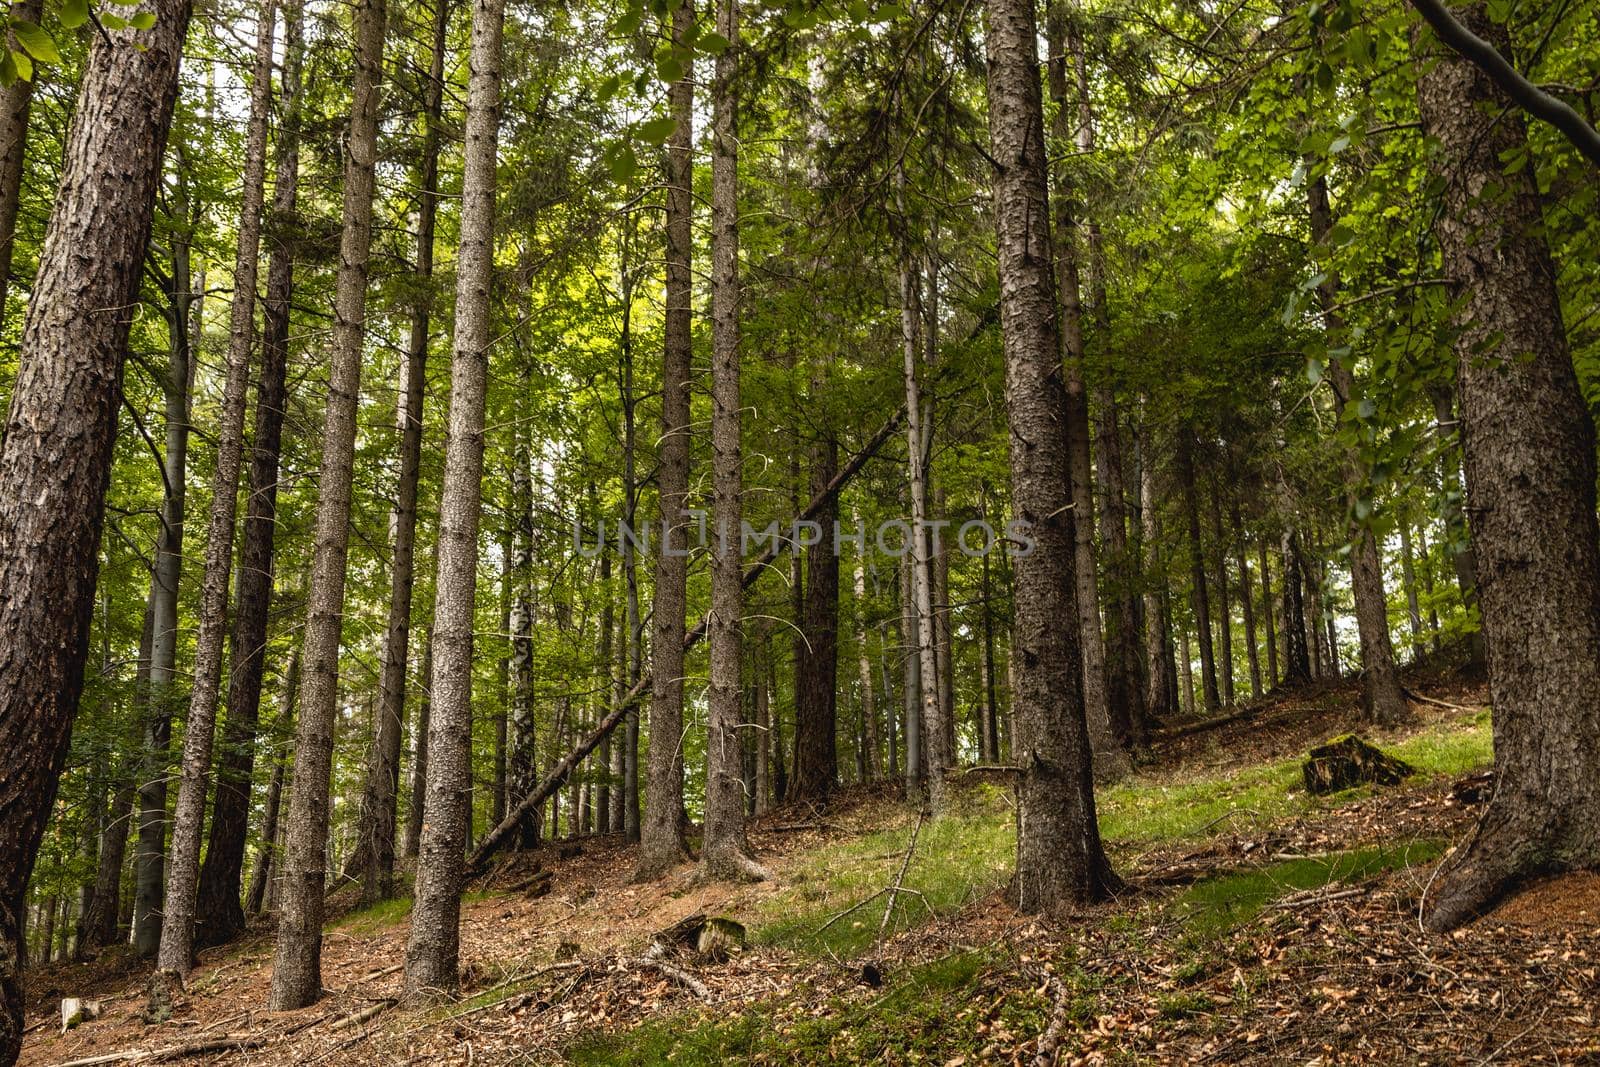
[1260, 924]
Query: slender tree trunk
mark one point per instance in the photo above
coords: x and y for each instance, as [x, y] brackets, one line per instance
[1197, 572]
[1059, 857]
[270, 821]
[1530, 476]
[297, 965]
[15, 103]
[726, 853]
[219, 916]
[1427, 587]
[419, 757]
[160, 696]
[661, 845]
[990, 726]
[1224, 652]
[56, 458]
[1186, 665]
[373, 859]
[1246, 598]
[1296, 654]
[921, 630]
[176, 952]
[814, 771]
[1110, 755]
[912, 661]
[1267, 615]
[1408, 577]
[763, 717]
[872, 764]
[630, 572]
[1382, 699]
[433, 950]
[611, 687]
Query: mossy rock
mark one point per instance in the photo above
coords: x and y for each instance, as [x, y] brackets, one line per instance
[1349, 761]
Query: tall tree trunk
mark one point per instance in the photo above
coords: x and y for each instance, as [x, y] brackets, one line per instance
[1296, 653]
[176, 952]
[1457, 541]
[1246, 597]
[270, 822]
[610, 681]
[1125, 697]
[815, 769]
[1161, 694]
[1197, 571]
[763, 671]
[160, 696]
[219, 916]
[1408, 578]
[297, 965]
[989, 728]
[1059, 857]
[56, 458]
[872, 764]
[433, 950]
[1382, 699]
[1267, 614]
[1224, 654]
[15, 103]
[1530, 474]
[726, 852]
[419, 756]
[921, 631]
[912, 663]
[1427, 587]
[629, 759]
[1110, 754]
[1186, 666]
[373, 860]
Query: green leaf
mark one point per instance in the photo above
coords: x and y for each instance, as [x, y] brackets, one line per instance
[143, 20]
[24, 65]
[1339, 144]
[36, 41]
[609, 87]
[8, 68]
[713, 44]
[668, 68]
[113, 22]
[657, 130]
[1314, 371]
[621, 161]
[73, 13]
[1366, 409]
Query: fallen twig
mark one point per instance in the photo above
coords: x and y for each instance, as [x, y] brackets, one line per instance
[1050, 1040]
[677, 974]
[899, 880]
[356, 1018]
[231, 1043]
[1310, 897]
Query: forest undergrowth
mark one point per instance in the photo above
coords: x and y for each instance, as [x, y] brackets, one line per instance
[1259, 924]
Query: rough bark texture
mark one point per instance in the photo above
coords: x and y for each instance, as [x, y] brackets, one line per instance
[726, 852]
[525, 744]
[188, 823]
[373, 861]
[433, 950]
[297, 965]
[219, 916]
[1530, 467]
[661, 845]
[1059, 857]
[15, 103]
[56, 457]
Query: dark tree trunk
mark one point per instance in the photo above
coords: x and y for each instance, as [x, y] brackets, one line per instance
[1267, 613]
[270, 822]
[297, 964]
[1246, 598]
[1296, 655]
[15, 103]
[661, 845]
[815, 770]
[1224, 608]
[56, 458]
[1530, 473]
[1197, 571]
[1059, 857]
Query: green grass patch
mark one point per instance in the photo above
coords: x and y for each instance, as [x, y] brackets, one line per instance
[1215, 906]
[1144, 812]
[928, 1011]
[374, 917]
[958, 858]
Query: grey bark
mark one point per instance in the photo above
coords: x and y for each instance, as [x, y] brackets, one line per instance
[433, 950]
[297, 963]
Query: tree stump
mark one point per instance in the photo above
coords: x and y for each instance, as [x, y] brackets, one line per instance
[1350, 761]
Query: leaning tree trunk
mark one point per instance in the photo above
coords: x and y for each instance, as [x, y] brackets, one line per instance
[1382, 700]
[1059, 857]
[726, 851]
[178, 914]
[297, 965]
[1530, 467]
[433, 951]
[661, 845]
[373, 861]
[56, 458]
